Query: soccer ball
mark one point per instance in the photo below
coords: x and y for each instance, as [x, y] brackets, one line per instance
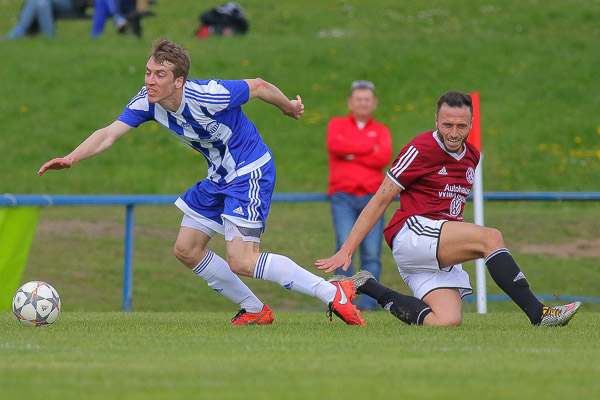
[36, 303]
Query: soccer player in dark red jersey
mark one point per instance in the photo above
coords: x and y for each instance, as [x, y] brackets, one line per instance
[433, 175]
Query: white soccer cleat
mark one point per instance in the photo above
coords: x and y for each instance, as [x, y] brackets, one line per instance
[357, 279]
[559, 315]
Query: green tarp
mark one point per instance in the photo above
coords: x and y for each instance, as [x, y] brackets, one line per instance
[17, 227]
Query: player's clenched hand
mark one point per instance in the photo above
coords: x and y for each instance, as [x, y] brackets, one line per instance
[339, 259]
[297, 108]
[57, 163]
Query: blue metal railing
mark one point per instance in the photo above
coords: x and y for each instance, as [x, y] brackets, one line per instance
[164, 199]
[130, 201]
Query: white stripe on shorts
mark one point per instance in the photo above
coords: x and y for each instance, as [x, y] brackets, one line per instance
[254, 195]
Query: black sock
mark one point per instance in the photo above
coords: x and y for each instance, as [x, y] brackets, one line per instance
[407, 309]
[507, 275]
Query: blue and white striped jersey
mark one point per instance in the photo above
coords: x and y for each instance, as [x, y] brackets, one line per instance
[210, 120]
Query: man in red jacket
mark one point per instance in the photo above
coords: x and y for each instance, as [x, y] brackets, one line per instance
[359, 149]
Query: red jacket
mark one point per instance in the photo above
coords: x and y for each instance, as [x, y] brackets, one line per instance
[357, 156]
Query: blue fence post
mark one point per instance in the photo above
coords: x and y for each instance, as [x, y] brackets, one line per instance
[128, 267]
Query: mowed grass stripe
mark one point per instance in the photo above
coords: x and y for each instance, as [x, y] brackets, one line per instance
[302, 355]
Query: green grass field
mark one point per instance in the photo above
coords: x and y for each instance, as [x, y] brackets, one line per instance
[177, 342]
[302, 355]
[535, 64]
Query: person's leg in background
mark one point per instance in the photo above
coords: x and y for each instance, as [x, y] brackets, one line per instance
[48, 11]
[370, 254]
[26, 18]
[103, 10]
[344, 216]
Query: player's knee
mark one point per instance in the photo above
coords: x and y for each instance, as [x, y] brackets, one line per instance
[443, 319]
[494, 240]
[240, 266]
[179, 251]
[185, 254]
[452, 320]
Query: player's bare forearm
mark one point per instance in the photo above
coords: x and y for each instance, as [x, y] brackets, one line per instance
[271, 94]
[372, 212]
[95, 144]
[367, 219]
[89, 148]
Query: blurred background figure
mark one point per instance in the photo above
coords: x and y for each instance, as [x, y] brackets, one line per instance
[126, 15]
[39, 16]
[359, 148]
[226, 20]
[105, 9]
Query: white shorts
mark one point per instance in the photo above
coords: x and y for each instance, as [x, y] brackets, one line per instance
[415, 249]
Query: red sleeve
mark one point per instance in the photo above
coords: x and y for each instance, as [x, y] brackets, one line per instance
[341, 141]
[380, 158]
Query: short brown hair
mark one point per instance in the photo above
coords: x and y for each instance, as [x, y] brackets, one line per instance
[163, 50]
[455, 99]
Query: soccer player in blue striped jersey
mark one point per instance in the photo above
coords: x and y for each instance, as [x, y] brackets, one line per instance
[234, 199]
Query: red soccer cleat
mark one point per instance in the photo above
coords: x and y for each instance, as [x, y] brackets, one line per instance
[342, 306]
[243, 317]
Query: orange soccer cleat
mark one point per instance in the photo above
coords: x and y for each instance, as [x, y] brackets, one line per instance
[243, 317]
[342, 306]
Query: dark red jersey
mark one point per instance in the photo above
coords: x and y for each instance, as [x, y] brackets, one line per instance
[435, 183]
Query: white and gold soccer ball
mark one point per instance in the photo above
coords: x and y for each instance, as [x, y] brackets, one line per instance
[36, 303]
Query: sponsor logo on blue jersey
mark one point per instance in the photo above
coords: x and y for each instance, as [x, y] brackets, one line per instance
[213, 127]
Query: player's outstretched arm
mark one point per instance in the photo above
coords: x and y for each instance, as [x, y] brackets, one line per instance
[367, 219]
[95, 144]
[271, 94]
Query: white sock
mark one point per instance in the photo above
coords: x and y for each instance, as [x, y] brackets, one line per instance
[216, 272]
[280, 269]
